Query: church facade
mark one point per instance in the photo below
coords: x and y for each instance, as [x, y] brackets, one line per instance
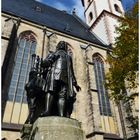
[30, 27]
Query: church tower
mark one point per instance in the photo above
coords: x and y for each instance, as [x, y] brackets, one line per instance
[102, 17]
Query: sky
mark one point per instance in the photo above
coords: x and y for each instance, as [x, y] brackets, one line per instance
[69, 5]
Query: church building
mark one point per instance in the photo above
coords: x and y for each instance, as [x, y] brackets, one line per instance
[30, 27]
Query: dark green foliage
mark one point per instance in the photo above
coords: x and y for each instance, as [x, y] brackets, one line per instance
[123, 75]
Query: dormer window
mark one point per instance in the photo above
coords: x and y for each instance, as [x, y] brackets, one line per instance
[117, 8]
[38, 9]
[67, 28]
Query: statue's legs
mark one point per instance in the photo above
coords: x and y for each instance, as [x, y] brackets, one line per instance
[69, 105]
[32, 108]
[48, 104]
[62, 101]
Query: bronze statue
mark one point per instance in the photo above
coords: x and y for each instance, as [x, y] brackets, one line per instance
[60, 79]
[50, 90]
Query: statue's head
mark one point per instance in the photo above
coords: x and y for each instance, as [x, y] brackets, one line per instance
[62, 45]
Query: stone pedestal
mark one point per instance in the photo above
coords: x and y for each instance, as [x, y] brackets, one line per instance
[57, 128]
[26, 131]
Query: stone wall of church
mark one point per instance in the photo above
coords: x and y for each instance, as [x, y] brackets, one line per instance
[6, 26]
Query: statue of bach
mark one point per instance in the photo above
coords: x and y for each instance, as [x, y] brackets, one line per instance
[50, 89]
[60, 82]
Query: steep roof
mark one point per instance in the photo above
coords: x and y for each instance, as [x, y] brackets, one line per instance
[42, 14]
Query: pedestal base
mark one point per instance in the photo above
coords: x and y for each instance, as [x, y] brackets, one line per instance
[57, 128]
[26, 131]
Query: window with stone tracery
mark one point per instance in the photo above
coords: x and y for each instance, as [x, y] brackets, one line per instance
[26, 47]
[7, 28]
[104, 104]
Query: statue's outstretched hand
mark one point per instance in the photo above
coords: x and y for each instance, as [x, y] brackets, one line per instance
[78, 88]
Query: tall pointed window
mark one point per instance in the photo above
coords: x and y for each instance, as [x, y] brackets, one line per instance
[117, 8]
[104, 104]
[26, 47]
[90, 17]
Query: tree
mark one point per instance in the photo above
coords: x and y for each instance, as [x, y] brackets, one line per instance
[123, 59]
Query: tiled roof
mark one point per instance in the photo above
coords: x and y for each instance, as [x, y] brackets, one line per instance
[42, 14]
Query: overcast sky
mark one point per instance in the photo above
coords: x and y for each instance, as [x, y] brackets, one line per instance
[68, 5]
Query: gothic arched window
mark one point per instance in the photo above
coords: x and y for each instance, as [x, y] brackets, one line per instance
[90, 16]
[104, 104]
[117, 8]
[26, 47]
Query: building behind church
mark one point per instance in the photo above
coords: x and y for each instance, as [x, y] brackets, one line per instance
[30, 27]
